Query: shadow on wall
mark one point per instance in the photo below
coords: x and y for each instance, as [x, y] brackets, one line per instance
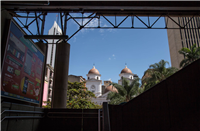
[173, 104]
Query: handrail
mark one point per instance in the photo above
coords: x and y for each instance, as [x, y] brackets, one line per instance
[74, 113]
[21, 117]
[21, 111]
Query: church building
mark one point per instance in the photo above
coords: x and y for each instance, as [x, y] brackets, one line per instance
[94, 84]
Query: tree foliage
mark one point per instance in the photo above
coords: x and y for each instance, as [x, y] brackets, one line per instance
[156, 73]
[189, 55]
[48, 104]
[78, 97]
[126, 91]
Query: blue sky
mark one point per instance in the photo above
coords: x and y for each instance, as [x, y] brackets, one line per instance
[110, 49]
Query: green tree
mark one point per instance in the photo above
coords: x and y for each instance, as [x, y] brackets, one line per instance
[156, 73]
[189, 55]
[48, 104]
[126, 91]
[78, 97]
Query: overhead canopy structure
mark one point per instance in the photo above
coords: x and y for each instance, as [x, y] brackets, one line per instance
[152, 8]
[37, 11]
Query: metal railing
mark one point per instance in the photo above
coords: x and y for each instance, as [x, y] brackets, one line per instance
[63, 114]
[21, 117]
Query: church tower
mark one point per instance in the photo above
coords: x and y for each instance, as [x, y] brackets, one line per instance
[126, 73]
[93, 82]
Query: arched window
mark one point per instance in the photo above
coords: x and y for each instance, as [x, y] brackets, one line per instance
[97, 78]
[88, 78]
[131, 77]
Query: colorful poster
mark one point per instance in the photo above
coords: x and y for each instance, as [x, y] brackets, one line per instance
[22, 68]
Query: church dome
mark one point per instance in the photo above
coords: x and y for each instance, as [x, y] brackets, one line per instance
[94, 71]
[126, 70]
[111, 88]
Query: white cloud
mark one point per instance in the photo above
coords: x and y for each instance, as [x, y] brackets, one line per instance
[74, 39]
[92, 23]
[112, 57]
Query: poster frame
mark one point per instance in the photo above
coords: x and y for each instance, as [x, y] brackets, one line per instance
[5, 42]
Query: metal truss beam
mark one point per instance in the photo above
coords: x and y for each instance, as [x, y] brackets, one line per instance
[140, 8]
[69, 17]
[45, 36]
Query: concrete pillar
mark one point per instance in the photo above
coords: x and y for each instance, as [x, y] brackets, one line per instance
[43, 47]
[60, 81]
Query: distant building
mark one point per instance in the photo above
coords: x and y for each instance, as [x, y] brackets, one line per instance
[126, 73]
[51, 53]
[73, 78]
[48, 84]
[94, 84]
[179, 38]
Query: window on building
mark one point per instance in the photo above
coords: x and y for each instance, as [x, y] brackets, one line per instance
[51, 73]
[97, 78]
[88, 78]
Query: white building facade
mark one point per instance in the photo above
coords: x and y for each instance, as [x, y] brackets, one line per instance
[126, 73]
[93, 82]
[51, 53]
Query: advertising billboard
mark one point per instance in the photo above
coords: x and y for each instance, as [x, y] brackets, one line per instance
[22, 68]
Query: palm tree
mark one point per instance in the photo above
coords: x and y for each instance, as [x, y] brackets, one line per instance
[126, 91]
[156, 73]
[189, 55]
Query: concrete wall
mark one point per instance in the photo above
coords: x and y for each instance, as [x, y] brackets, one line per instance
[173, 104]
[4, 15]
[4, 25]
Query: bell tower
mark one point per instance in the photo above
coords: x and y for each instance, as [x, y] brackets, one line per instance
[93, 82]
